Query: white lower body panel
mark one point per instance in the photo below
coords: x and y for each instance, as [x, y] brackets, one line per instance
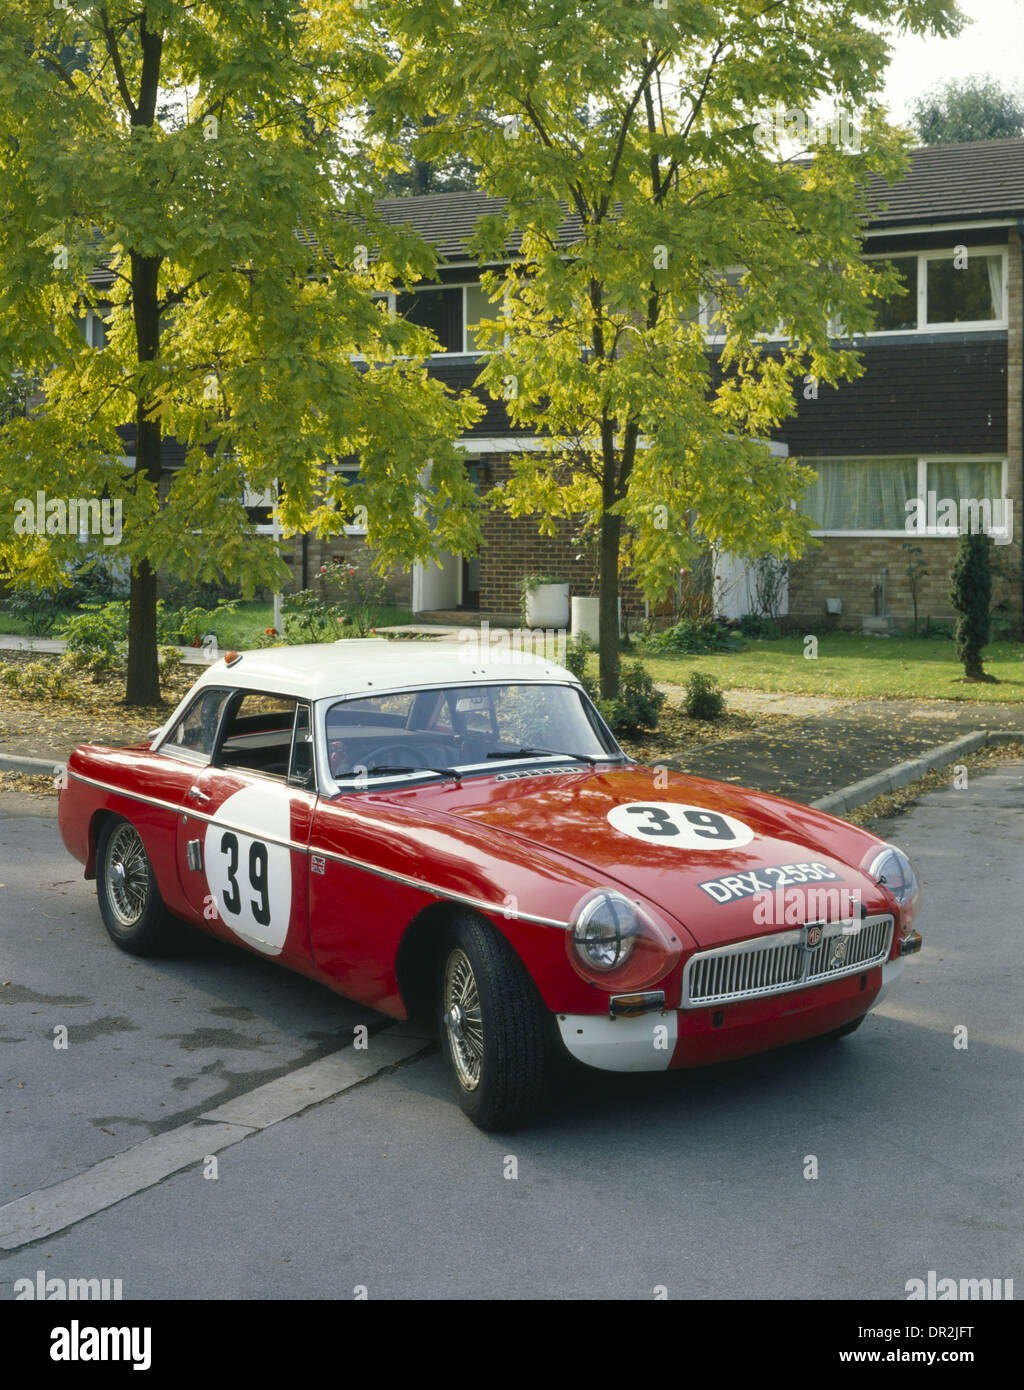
[621, 1044]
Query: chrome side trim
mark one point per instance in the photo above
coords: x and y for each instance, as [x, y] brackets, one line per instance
[493, 909]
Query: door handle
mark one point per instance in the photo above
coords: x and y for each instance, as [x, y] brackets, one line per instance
[196, 794]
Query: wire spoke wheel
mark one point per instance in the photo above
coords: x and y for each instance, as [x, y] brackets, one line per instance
[494, 1027]
[462, 1019]
[127, 875]
[130, 904]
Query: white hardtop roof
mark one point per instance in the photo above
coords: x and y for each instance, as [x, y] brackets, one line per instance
[322, 670]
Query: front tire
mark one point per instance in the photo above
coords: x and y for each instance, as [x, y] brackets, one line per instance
[132, 909]
[494, 1029]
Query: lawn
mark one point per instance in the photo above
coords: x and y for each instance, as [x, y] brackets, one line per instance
[856, 667]
[239, 628]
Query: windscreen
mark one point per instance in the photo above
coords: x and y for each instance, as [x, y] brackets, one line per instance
[460, 727]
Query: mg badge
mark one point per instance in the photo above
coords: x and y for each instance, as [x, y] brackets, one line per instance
[814, 935]
[839, 950]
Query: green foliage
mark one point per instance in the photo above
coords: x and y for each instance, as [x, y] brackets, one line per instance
[915, 571]
[97, 637]
[362, 591]
[186, 627]
[184, 151]
[309, 617]
[966, 109]
[936, 629]
[669, 180]
[638, 704]
[170, 662]
[38, 680]
[971, 595]
[704, 698]
[577, 655]
[759, 628]
[690, 636]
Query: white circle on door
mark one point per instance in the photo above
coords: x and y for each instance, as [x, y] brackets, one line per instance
[251, 877]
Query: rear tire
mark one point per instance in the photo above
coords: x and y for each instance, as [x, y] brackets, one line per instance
[132, 909]
[494, 1028]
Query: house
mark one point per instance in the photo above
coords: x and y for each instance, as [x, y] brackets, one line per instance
[929, 435]
[936, 417]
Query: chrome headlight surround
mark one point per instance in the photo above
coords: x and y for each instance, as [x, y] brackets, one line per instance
[619, 943]
[893, 869]
[604, 930]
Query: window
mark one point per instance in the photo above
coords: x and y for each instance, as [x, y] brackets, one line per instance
[440, 310]
[861, 494]
[195, 733]
[478, 307]
[907, 496]
[900, 312]
[465, 726]
[946, 290]
[269, 735]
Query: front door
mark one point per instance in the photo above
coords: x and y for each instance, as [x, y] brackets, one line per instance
[243, 830]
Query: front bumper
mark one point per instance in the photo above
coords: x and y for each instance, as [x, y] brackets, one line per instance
[674, 1038]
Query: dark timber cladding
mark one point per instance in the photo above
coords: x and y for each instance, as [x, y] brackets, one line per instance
[929, 394]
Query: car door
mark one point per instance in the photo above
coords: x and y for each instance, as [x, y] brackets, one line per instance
[244, 828]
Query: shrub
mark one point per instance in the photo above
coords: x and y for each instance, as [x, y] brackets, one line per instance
[309, 617]
[38, 609]
[576, 654]
[184, 627]
[38, 680]
[638, 705]
[98, 636]
[691, 636]
[971, 596]
[363, 593]
[704, 698]
[759, 628]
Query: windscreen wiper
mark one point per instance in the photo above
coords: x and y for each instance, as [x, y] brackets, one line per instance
[548, 752]
[385, 769]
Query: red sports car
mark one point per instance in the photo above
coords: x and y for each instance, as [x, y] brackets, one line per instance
[436, 826]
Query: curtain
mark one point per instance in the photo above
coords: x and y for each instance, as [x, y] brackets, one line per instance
[861, 494]
[995, 284]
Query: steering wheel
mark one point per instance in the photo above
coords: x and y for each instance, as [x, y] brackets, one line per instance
[398, 755]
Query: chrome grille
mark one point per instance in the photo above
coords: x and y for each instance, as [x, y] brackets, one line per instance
[775, 964]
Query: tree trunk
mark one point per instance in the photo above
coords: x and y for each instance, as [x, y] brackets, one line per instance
[608, 592]
[143, 685]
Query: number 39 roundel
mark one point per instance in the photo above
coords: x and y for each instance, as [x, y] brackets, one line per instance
[251, 879]
[676, 826]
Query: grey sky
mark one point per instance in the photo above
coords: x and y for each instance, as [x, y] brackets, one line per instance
[993, 44]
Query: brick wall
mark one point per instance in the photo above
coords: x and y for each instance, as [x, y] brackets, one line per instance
[513, 547]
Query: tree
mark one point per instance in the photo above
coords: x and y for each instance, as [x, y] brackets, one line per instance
[971, 595]
[916, 570]
[639, 166]
[198, 153]
[972, 108]
[454, 174]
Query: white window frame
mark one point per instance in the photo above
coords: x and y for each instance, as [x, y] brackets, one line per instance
[923, 460]
[965, 325]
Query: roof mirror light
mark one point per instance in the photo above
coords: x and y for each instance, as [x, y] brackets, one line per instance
[232, 658]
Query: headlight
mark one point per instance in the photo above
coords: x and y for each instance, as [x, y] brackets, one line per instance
[604, 932]
[618, 943]
[891, 867]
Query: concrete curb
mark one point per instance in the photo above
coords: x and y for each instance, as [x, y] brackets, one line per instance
[35, 767]
[901, 774]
